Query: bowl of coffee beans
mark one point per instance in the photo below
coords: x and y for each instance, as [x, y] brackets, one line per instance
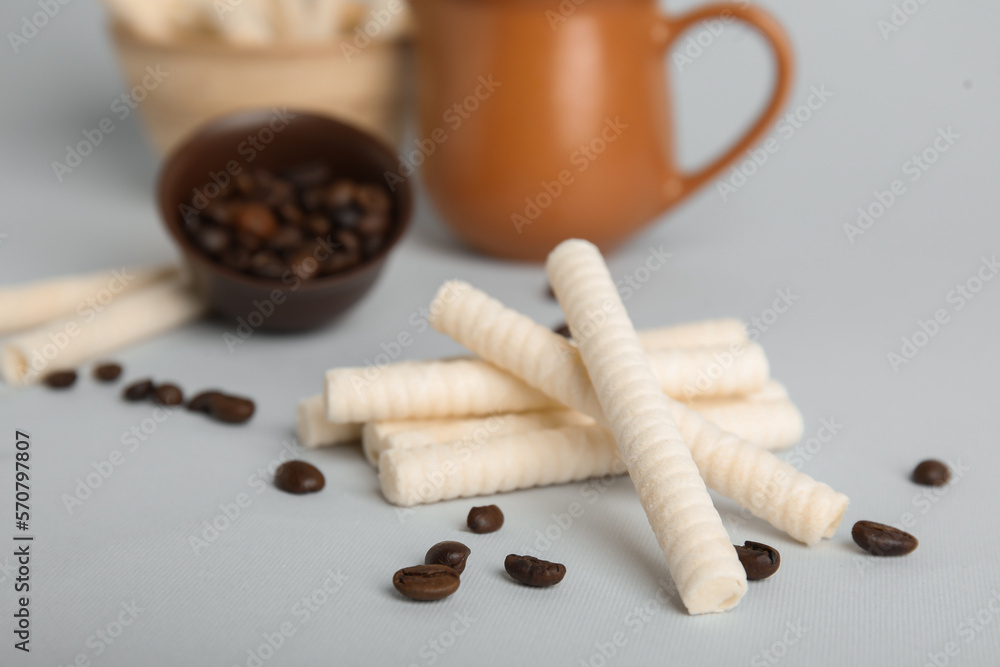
[284, 217]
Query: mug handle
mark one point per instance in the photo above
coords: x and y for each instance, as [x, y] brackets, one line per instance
[681, 186]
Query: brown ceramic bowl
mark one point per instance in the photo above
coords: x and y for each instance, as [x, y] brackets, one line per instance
[213, 149]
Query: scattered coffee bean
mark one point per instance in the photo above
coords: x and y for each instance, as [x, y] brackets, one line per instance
[759, 560]
[563, 330]
[298, 477]
[452, 554]
[200, 402]
[60, 379]
[426, 582]
[533, 571]
[230, 409]
[486, 519]
[138, 391]
[881, 540]
[107, 372]
[168, 394]
[931, 473]
[269, 224]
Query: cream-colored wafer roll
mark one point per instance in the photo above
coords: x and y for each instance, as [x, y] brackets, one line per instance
[63, 344]
[313, 430]
[465, 387]
[708, 333]
[794, 502]
[775, 424]
[33, 304]
[697, 548]
[381, 436]
[427, 474]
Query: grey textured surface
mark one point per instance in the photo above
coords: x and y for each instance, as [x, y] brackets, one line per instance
[780, 232]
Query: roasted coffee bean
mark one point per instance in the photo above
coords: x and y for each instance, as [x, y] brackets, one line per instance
[230, 409]
[452, 554]
[286, 238]
[278, 193]
[298, 477]
[291, 214]
[266, 264]
[426, 582]
[312, 199]
[308, 175]
[485, 519]
[340, 193]
[213, 240]
[168, 394]
[533, 571]
[60, 379]
[236, 258]
[338, 262]
[931, 473]
[759, 560]
[373, 199]
[304, 263]
[138, 391]
[881, 540]
[200, 402]
[371, 245]
[318, 225]
[563, 330]
[245, 184]
[249, 242]
[256, 219]
[347, 217]
[373, 223]
[222, 213]
[347, 242]
[107, 372]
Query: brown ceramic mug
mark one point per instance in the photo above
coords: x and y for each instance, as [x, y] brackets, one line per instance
[546, 119]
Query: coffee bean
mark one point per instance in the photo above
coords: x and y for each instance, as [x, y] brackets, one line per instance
[236, 258]
[563, 330]
[318, 225]
[485, 519]
[266, 264]
[107, 372]
[346, 217]
[298, 477]
[277, 193]
[426, 582]
[340, 193]
[304, 264]
[881, 540]
[759, 560]
[374, 199]
[138, 391]
[533, 571]
[371, 245]
[452, 554]
[222, 213]
[338, 262]
[931, 473]
[286, 238]
[291, 213]
[246, 184]
[256, 219]
[230, 409]
[373, 223]
[60, 379]
[200, 402]
[347, 242]
[168, 394]
[249, 242]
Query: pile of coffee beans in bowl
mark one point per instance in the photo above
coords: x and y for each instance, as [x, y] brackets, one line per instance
[298, 222]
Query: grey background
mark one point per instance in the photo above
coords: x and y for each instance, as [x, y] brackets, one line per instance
[783, 230]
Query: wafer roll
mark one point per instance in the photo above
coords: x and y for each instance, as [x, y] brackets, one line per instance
[64, 344]
[465, 387]
[708, 333]
[687, 526]
[313, 430]
[381, 436]
[547, 361]
[774, 424]
[34, 304]
[427, 474]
